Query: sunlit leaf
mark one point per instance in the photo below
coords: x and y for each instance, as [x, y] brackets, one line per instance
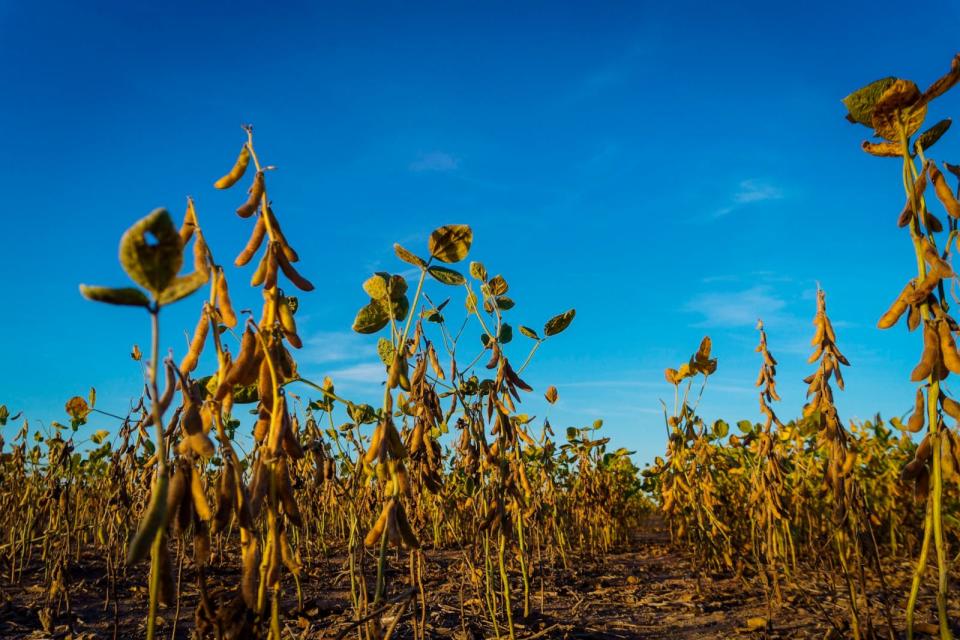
[558, 323]
[128, 296]
[447, 276]
[451, 243]
[150, 251]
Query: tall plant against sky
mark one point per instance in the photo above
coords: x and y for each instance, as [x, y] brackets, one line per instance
[895, 109]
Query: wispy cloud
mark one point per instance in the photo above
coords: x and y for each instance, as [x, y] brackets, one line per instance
[362, 373]
[750, 191]
[336, 346]
[736, 308]
[438, 161]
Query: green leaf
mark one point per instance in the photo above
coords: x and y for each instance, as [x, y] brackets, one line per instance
[151, 252]
[558, 323]
[860, 103]
[451, 243]
[183, 286]
[371, 318]
[99, 436]
[745, 426]
[408, 257]
[506, 333]
[128, 296]
[720, 429]
[447, 276]
[929, 137]
[504, 303]
[530, 333]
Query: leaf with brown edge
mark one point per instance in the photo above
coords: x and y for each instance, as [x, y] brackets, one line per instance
[883, 149]
[944, 83]
[861, 102]
[558, 323]
[126, 296]
[899, 103]
[451, 243]
[478, 271]
[408, 256]
[151, 252]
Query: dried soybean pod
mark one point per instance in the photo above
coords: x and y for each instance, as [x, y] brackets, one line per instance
[394, 444]
[948, 347]
[256, 239]
[288, 251]
[226, 496]
[285, 491]
[905, 215]
[290, 441]
[944, 194]
[893, 314]
[435, 362]
[938, 265]
[251, 568]
[376, 441]
[201, 544]
[290, 561]
[260, 274]
[237, 171]
[201, 445]
[913, 317]
[176, 490]
[265, 385]
[227, 314]
[931, 354]
[289, 325]
[916, 421]
[911, 470]
[199, 497]
[201, 254]
[249, 207]
[167, 593]
[260, 486]
[262, 426]
[292, 274]
[373, 536]
[950, 406]
[406, 531]
[924, 449]
[154, 518]
[189, 223]
[189, 362]
[244, 367]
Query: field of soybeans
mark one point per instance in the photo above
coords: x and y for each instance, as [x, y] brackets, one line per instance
[239, 498]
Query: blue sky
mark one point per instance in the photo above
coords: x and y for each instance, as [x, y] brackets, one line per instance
[669, 169]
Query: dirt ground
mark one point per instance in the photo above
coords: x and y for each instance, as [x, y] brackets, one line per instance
[644, 591]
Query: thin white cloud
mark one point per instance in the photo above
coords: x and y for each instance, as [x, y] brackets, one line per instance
[336, 346]
[736, 308]
[756, 191]
[438, 161]
[361, 373]
[750, 191]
